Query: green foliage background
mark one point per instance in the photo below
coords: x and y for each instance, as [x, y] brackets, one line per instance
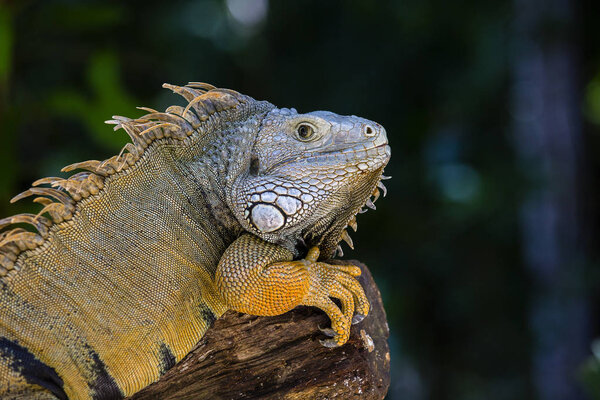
[444, 245]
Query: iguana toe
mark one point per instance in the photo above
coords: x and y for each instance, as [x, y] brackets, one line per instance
[336, 281]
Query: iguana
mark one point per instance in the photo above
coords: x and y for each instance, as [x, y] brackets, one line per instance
[226, 203]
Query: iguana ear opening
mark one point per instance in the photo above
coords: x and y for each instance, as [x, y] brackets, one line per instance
[254, 166]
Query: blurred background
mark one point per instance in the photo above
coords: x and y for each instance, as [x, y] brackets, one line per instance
[486, 249]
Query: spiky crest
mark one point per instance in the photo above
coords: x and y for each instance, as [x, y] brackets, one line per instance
[60, 200]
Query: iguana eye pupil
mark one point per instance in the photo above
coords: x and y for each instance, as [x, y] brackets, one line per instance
[305, 132]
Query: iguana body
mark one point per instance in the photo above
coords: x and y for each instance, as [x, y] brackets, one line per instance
[223, 204]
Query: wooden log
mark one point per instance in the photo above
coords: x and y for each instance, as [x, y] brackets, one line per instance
[248, 357]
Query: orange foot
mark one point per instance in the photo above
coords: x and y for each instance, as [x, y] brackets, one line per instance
[335, 281]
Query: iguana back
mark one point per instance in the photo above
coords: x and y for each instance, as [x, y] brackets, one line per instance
[120, 282]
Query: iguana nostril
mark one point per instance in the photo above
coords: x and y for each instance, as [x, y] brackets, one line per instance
[369, 130]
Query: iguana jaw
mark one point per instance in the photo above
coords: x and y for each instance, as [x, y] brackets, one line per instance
[341, 158]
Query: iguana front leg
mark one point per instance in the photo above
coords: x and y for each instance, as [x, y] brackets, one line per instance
[260, 278]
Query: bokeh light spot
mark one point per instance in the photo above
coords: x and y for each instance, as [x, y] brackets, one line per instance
[248, 12]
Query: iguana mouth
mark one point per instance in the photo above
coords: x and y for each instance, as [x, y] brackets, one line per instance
[347, 156]
[359, 149]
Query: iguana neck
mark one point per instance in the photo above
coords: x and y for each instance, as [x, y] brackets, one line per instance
[221, 157]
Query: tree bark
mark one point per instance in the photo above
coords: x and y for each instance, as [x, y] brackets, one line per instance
[246, 357]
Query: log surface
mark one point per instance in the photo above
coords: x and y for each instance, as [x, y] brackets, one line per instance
[248, 357]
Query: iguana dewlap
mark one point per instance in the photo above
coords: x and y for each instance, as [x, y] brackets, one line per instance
[226, 203]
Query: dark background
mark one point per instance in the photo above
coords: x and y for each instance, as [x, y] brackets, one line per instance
[485, 249]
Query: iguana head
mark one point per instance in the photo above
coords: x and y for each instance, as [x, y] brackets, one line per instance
[308, 176]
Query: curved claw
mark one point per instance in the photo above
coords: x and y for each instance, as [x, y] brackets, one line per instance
[357, 318]
[327, 331]
[330, 343]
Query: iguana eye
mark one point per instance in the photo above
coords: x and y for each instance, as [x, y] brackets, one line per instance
[305, 132]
